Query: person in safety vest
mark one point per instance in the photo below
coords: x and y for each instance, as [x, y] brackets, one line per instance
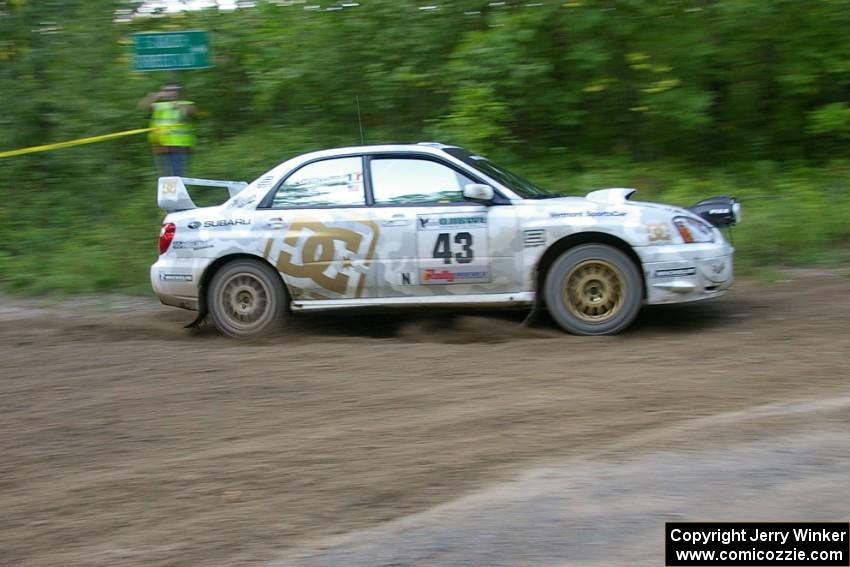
[173, 133]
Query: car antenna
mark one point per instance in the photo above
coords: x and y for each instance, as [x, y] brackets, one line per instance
[360, 120]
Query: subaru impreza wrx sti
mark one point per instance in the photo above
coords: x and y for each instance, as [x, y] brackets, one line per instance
[429, 225]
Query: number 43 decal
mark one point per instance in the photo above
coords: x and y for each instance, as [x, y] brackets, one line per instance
[443, 248]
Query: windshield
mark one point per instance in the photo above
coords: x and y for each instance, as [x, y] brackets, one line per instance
[521, 186]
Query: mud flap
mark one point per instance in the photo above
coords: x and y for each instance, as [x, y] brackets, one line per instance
[198, 321]
[533, 316]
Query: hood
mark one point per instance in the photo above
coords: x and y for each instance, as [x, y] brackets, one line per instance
[614, 196]
[617, 198]
[610, 196]
[620, 196]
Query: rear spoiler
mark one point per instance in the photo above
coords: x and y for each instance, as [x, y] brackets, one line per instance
[172, 196]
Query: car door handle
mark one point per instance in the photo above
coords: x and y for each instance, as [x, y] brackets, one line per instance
[396, 220]
[277, 221]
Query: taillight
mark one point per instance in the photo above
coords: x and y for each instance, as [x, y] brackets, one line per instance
[166, 235]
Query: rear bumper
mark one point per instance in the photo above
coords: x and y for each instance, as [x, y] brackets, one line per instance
[686, 272]
[176, 281]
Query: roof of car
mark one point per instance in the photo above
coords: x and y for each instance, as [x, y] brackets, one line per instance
[433, 148]
[423, 147]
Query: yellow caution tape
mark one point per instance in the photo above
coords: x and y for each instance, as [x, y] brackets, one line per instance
[71, 143]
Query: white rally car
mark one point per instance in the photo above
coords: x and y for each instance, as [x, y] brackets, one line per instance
[429, 225]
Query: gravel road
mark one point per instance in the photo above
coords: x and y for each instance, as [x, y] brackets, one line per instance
[415, 440]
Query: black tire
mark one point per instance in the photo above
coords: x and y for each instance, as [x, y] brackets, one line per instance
[247, 299]
[593, 289]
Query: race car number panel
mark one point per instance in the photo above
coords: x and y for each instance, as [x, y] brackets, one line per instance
[452, 248]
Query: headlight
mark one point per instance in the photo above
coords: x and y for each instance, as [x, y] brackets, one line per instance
[692, 230]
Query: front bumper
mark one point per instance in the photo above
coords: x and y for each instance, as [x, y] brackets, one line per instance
[686, 272]
[176, 280]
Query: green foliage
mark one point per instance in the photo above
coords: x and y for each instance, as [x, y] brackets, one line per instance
[680, 99]
[832, 118]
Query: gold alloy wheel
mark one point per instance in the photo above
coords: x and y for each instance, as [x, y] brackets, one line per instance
[245, 299]
[594, 290]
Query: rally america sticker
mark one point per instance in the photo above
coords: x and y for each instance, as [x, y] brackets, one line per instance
[454, 275]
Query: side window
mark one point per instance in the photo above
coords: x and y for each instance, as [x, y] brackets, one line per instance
[408, 180]
[330, 182]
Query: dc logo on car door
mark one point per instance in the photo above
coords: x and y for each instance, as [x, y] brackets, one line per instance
[324, 262]
[452, 248]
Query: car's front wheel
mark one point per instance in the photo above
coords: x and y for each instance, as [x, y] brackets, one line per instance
[246, 299]
[593, 289]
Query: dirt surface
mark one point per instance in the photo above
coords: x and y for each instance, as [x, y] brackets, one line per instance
[130, 440]
[611, 512]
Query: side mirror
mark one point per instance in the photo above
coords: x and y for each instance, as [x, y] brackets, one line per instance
[478, 192]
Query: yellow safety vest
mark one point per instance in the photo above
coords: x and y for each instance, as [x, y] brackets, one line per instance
[170, 125]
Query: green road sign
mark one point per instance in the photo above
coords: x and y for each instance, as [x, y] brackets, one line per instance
[165, 51]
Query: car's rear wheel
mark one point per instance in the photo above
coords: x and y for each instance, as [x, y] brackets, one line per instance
[593, 289]
[246, 299]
